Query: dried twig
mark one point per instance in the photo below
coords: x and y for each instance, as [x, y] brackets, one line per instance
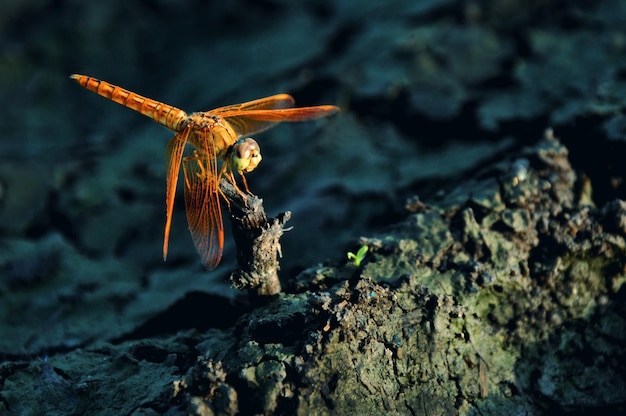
[257, 240]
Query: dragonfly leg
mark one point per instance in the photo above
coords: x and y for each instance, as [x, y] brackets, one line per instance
[228, 174]
[224, 197]
[245, 182]
[234, 182]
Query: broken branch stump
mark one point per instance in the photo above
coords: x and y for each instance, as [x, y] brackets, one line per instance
[257, 239]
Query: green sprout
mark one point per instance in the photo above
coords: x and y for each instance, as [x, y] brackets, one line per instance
[359, 256]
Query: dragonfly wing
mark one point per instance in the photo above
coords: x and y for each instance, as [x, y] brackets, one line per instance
[174, 155]
[202, 204]
[245, 123]
[243, 126]
[256, 116]
[272, 102]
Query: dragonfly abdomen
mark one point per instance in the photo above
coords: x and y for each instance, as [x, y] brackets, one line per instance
[167, 115]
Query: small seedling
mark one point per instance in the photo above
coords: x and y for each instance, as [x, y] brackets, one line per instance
[359, 256]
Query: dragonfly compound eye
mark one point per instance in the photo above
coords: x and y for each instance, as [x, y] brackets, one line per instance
[246, 155]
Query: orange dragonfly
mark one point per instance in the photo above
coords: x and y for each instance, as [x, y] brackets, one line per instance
[215, 134]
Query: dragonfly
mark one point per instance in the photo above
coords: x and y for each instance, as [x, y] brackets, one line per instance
[221, 146]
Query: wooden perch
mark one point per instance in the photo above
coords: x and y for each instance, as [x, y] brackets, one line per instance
[257, 240]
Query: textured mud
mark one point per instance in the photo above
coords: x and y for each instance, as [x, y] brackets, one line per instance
[479, 156]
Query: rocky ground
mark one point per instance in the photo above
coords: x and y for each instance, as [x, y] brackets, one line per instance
[478, 156]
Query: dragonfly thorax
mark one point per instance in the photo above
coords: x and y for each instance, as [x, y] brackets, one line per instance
[205, 120]
[209, 130]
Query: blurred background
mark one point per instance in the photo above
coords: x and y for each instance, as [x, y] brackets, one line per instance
[430, 92]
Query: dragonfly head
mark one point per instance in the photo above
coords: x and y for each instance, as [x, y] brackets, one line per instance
[245, 155]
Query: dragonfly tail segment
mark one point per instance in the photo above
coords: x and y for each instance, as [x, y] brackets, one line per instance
[171, 117]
